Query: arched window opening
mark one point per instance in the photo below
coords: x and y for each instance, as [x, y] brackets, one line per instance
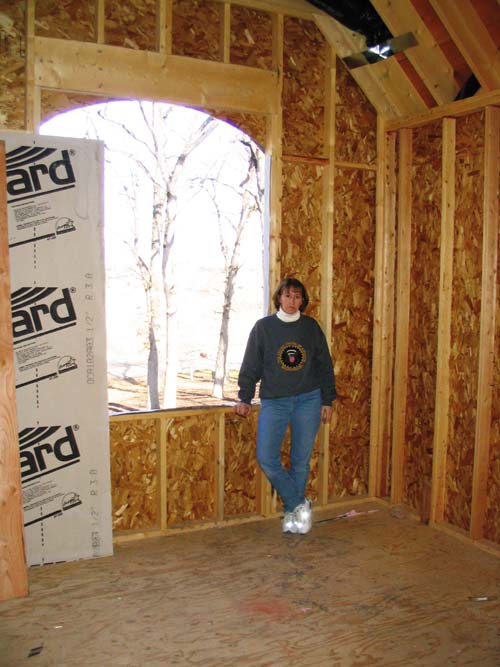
[185, 249]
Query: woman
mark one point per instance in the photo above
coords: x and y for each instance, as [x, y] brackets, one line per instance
[288, 353]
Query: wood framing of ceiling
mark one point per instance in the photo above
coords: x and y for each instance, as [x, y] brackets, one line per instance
[458, 42]
[456, 55]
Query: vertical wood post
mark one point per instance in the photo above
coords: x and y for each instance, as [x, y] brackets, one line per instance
[225, 32]
[487, 330]
[220, 467]
[262, 493]
[161, 435]
[383, 311]
[274, 148]
[327, 258]
[100, 16]
[164, 26]
[32, 109]
[13, 573]
[441, 416]
[403, 313]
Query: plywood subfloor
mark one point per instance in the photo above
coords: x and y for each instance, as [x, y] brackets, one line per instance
[371, 590]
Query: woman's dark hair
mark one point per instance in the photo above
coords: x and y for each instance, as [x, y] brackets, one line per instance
[291, 283]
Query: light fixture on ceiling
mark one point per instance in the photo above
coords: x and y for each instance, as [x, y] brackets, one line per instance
[381, 51]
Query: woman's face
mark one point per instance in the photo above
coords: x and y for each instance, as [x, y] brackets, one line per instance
[291, 300]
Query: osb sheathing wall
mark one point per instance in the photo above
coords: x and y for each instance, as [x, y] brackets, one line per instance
[353, 252]
[465, 316]
[305, 248]
[446, 454]
[135, 464]
[424, 313]
[185, 466]
[13, 70]
[174, 467]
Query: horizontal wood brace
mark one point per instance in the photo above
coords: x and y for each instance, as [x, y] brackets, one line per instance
[340, 164]
[323, 161]
[451, 110]
[115, 71]
[305, 159]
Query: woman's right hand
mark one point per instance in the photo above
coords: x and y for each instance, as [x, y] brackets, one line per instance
[242, 409]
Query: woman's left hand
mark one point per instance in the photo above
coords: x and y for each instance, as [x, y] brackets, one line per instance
[326, 414]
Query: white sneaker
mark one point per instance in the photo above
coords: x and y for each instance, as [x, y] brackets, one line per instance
[303, 517]
[289, 524]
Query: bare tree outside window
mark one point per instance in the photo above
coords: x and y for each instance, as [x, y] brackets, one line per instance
[183, 197]
[246, 187]
[151, 154]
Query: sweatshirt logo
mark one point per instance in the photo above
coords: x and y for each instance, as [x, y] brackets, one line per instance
[34, 170]
[291, 357]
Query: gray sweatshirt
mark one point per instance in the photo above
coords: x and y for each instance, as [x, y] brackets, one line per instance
[289, 358]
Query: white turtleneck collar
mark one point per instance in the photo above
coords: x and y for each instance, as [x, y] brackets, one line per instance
[285, 317]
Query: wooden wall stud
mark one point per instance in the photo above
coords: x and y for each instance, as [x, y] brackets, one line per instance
[403, 313]
[13, 573]
[383, 315]
[444, 327]
[487, 330]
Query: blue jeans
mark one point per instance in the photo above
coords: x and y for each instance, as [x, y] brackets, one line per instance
[303, 413]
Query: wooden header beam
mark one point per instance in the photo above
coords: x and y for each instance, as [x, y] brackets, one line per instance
[114, 71]
[451, 110]
[297, 8]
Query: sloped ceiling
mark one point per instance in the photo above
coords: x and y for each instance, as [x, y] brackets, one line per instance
[457, 51]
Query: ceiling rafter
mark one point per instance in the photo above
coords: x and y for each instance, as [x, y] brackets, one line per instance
[472, 37]
[415, 79]
[461, 70]
[426, 58]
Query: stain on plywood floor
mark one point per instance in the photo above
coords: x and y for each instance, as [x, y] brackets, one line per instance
[370, 590]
